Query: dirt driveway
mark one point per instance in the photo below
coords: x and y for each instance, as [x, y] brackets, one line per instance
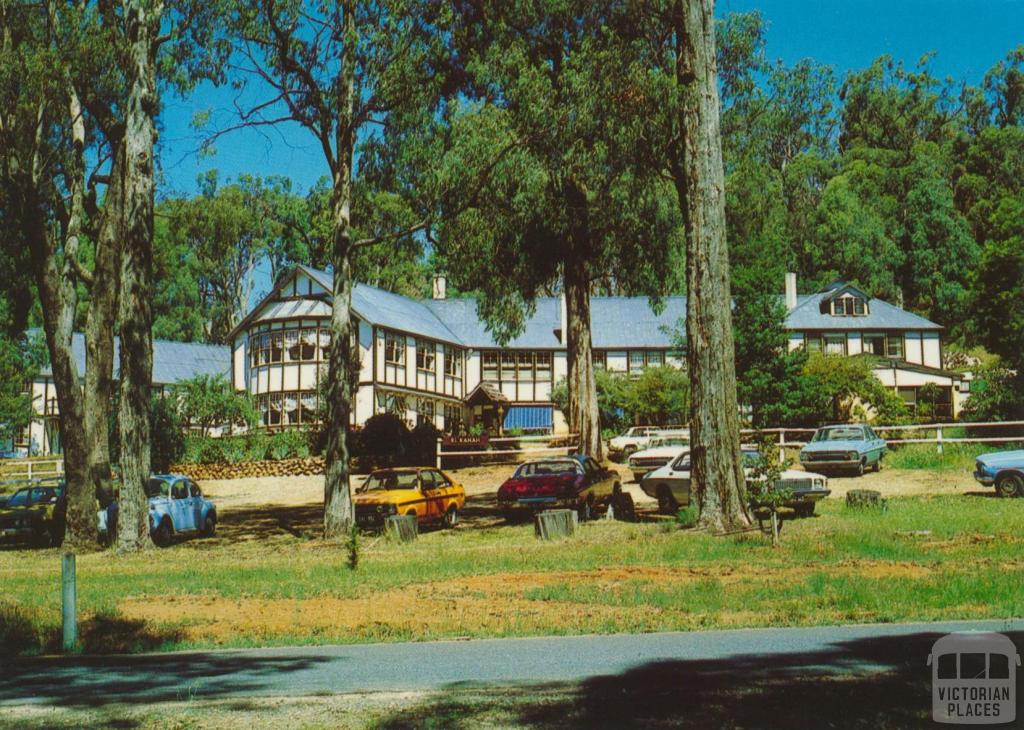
[482, 482]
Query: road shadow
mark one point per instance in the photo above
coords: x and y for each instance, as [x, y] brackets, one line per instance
[870, 683]
[85, 682]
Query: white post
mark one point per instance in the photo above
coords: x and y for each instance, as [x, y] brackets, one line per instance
[30, 470]
[439, 453]
[938, 439]
[68, 602]
[782, 446]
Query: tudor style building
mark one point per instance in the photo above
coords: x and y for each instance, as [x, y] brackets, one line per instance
[434, 360]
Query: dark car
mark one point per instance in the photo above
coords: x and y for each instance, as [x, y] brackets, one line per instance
[35, 513]
[573, 482]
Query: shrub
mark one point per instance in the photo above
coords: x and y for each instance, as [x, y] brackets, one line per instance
[423, 444]
[288, 444]
[687, 516]
[385, 440]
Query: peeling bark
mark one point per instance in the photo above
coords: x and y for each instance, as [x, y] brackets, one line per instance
[136, 314]
[700, 185]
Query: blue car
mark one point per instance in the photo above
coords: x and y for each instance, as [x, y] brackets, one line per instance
[176, 507]
[852, 447]
[1002, 469]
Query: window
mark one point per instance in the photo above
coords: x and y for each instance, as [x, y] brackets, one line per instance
[600, 360]
[394, 349]
[636, 360]
[655, 358]
[490, 362]
[264, 407]
[425, 352]
[276, 409]
[23, 437]
[452, 362]
[264, 349]
[812, 343]
[525, 363]
[835, 344]
[508, 366]
[544, 365]
[894, 346]
[391, 403]
[291, 409]
[426, 411]
[874, 345]
[292, 350]
[452, 417]
[307, 412]
[276, 347]
[859, 307]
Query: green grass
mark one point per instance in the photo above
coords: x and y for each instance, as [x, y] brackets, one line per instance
[954, 457]
[845, 565]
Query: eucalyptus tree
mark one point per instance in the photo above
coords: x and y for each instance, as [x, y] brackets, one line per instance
[682, 55]
[79, 85]
[340, 71]
[553, 106]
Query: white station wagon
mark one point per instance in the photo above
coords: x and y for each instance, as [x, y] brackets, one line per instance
[670, 484]
[660, 451]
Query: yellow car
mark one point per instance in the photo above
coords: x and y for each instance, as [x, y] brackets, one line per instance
[428, 494]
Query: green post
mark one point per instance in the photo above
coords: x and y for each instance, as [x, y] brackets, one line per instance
[68, 601]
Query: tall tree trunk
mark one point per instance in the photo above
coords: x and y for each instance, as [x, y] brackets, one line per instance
[99, 340]
[142, 25]
[700, 185]
[58, 300]
[338, 511]
[584, 416]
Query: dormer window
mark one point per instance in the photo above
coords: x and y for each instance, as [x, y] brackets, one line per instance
[849, 306]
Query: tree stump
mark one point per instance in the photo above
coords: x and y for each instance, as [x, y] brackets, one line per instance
[860, 498]
[554, 524]
[402, 528]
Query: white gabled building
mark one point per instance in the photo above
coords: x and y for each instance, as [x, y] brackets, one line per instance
[434, 360]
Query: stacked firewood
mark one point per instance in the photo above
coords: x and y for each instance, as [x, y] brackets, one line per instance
[311, 466]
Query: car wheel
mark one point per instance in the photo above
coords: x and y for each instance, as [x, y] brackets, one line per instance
[667, 503]
[877, 466]
[1010, 485]
[209, 526]
[860, 467]
[585, 511]
[628, 452]
[805, 510]
[451, 517]
[162, 534]
[411, 513]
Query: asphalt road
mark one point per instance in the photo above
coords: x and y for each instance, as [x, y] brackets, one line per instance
[843, 650]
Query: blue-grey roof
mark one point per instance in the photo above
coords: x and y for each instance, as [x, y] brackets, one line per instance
[616, 322]
[172, 361]
[881, 316]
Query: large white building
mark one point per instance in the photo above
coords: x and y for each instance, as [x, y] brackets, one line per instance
[434, 360]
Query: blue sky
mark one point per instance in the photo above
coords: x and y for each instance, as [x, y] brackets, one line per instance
[969, 36]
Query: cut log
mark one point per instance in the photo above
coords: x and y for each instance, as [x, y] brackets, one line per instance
[555, 524]
[858, 498]
[402, 528]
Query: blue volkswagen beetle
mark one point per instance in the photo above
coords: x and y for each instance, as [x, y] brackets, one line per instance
[176, 507]
[1002, 469]
[853, 446]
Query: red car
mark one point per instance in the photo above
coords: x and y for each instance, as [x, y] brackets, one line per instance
[567, 482]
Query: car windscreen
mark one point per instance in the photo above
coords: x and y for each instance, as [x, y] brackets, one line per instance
[158, 488]
[390, 480]
[839, 434]
[668, 441]
[542, 468]
[20, 498]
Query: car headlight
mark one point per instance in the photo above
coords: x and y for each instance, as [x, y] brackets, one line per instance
[852, 456]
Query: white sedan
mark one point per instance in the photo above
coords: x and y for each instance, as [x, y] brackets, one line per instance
[659, 452]
[670, 484]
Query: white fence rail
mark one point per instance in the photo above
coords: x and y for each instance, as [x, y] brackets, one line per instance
[30, 469]
[941, 433]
